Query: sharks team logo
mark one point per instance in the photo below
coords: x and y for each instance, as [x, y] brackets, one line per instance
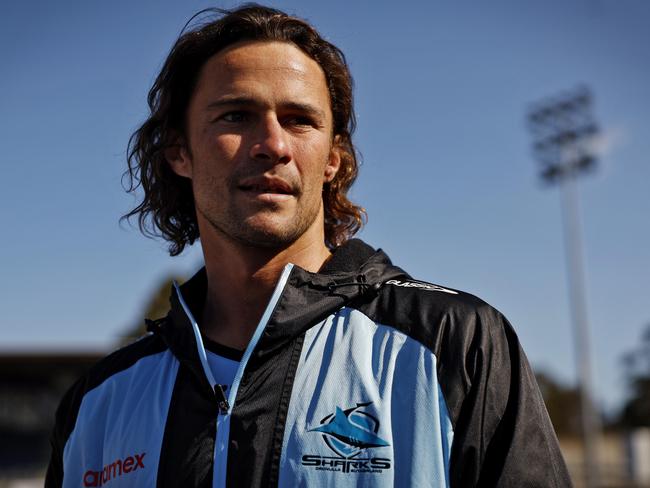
[349, 433]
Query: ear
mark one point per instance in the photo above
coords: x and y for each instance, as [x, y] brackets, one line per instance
[178, 158]
[333, 163]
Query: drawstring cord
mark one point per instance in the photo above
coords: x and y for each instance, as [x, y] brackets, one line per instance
[360, 281]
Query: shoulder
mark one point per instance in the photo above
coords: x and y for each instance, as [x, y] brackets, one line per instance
[113, 364]
[460, 329]
[432, 313]
[123, 359]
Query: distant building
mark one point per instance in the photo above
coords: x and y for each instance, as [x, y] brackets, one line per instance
[31, 386]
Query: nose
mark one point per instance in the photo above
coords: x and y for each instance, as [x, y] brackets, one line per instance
[271, 144]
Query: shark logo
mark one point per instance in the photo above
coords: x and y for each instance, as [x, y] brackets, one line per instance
[348, 432]
[352, 435]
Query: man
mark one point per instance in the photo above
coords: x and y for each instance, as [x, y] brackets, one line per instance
[297, 356]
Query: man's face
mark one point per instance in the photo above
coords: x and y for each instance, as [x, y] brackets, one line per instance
[259, 144]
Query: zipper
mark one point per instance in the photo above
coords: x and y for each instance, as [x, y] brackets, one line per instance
[222, 401]
[226, 403]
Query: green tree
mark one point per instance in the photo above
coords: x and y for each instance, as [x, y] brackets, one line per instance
[562, 403]
[636, 411]
[155, 307]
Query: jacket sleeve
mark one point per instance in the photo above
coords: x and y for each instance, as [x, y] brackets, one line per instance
[65, 419]
[503, 436]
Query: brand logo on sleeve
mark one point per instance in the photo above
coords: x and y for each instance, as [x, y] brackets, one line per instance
[420, 285]
[114, 470]
[352, 435]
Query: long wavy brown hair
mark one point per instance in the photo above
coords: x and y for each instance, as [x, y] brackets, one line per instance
[167, 206]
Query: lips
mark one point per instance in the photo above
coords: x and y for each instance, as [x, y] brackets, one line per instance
[267, 185]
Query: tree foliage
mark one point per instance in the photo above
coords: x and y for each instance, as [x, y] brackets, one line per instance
[562, 403]
[636, 411]
[156, 307]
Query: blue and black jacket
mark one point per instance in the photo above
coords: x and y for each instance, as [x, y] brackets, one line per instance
[357, 375]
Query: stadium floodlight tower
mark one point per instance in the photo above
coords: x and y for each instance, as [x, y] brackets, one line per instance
[563, 129]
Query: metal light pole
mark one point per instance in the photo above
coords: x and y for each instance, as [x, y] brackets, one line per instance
[563, 129]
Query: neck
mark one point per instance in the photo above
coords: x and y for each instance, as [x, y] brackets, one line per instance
[241, 280]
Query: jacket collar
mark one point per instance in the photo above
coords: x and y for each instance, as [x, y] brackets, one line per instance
[355, 271]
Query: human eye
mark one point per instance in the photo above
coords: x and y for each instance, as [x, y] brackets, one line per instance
[234, 117]
[300, 121]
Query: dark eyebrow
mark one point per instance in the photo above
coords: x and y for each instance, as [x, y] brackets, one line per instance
[229, 101]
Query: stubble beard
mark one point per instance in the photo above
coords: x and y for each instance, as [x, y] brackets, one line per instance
[275, 235]
[233, 223]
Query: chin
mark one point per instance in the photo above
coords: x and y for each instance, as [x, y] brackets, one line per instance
[268, 233]
[264, 230]
[266, 238]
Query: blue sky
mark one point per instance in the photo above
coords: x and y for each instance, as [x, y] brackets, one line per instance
[448, 180]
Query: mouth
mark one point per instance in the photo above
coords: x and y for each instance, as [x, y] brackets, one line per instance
[267, 188]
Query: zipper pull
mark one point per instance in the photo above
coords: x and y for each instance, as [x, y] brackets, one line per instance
[222, 400]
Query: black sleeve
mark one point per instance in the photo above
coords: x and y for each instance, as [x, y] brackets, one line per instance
[503, 436]
[65, 419]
